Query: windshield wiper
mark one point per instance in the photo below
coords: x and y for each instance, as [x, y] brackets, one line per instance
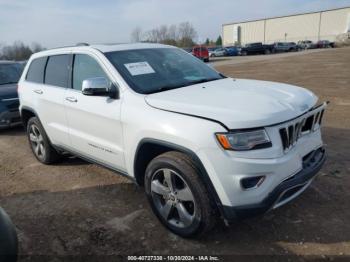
[165, 88]
[171, 87]
[202, 80]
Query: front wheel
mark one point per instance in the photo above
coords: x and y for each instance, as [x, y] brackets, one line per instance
[178, 196]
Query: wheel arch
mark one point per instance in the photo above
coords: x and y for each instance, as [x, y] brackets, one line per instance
[26, 114]
[149, 148]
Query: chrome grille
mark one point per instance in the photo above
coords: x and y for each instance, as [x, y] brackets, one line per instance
[293, 130]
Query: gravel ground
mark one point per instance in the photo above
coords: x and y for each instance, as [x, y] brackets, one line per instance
[76, 208]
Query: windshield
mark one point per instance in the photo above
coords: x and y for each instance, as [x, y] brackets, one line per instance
[159, 69]
[10, 73]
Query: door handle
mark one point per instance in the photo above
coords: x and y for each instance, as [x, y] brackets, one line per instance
[72, 99]
[38, 91]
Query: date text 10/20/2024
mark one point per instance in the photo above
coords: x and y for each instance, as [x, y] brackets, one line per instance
[173, 258]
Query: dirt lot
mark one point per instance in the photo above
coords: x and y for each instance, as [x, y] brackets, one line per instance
[78, 208]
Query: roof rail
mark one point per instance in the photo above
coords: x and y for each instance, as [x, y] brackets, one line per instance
[82, 44]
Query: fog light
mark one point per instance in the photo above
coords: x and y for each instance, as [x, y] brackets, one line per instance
[252, 182]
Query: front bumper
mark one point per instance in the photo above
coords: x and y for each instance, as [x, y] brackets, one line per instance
[284, 192]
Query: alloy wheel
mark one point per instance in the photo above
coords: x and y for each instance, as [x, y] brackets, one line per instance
[37, 141]
[173, 198]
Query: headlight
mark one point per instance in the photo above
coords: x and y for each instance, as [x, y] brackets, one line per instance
[244, 140]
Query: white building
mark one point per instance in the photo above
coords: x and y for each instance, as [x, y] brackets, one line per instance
[323, 25]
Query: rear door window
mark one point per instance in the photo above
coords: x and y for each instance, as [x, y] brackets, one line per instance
[36, 70]
[57, 71]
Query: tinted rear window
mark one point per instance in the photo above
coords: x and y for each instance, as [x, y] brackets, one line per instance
[57, 71]
[36, 70]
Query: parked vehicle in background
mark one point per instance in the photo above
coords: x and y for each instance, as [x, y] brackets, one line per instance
[257, 48]
[233, 51]
[205, 145]
[285, 47]
[325, 44]
[306, 44]
[219, 52]
[201, 52]
[10, 72]
[211, 50]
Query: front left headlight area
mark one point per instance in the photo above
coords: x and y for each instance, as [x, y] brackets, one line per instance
[244, 140]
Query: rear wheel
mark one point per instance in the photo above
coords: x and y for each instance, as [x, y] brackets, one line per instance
[39, 142]
[177, 195]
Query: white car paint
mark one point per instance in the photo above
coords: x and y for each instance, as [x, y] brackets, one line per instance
[178, 117]
[238, 103]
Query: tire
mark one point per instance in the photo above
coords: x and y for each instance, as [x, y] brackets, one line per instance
[206, 60]
[40, 143]
[178, 196]
[267, 52]
[244, 53]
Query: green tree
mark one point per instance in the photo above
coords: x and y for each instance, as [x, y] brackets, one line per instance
[219, 41]
[207, 41]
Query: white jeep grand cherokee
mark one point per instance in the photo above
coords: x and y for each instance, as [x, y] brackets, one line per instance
[202, 144]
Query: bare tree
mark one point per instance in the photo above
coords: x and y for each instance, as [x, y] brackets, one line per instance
[36, 47]
[172, 32]
[136, 35]
[187, 34]
[152, 36]
[162, 33]
[182, 35]
[19, 51]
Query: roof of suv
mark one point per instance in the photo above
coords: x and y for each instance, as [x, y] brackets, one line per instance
[119, 47]
[104, 48]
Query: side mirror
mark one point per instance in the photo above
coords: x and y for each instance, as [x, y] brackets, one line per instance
[99, 86]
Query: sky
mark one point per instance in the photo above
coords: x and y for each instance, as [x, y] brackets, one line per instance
[55, 23]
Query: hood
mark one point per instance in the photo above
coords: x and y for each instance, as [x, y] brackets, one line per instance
[8, 91]
[237, 103]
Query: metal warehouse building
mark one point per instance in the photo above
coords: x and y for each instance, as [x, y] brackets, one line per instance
[323, 25]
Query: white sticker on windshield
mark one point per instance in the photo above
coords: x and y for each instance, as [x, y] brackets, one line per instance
[140, 68]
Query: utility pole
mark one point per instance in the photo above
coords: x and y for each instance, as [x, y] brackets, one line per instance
[319, 27]
[265, 31]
